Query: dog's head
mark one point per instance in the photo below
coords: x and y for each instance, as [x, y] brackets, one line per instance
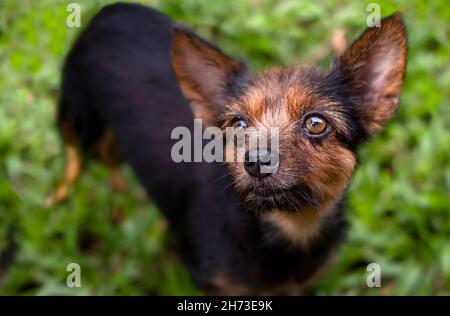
[320, 117]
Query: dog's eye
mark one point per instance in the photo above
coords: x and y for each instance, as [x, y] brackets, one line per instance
[239, 124]
[315, 124]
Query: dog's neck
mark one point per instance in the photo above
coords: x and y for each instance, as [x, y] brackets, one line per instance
[300, 228]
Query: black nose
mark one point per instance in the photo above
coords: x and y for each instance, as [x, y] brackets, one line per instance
[255, 159]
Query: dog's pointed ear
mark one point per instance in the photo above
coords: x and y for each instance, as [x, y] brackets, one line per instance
[374, 67]
[204, 72]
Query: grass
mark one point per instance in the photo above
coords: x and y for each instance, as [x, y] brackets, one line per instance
[399, 200]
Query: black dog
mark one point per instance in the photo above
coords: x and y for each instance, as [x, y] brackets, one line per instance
[133, 76]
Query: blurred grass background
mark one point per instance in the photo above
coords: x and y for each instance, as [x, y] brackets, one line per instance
[399, 200]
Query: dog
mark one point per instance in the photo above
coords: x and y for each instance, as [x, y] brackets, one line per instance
[133, 76]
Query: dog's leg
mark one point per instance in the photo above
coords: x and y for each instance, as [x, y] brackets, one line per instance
[72, 169]
[110, 155]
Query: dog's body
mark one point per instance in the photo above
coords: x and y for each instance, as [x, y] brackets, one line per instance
[121, 96]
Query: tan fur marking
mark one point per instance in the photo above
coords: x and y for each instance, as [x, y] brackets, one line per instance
[110, 155]
[71, 174]
[297, 228]
[108, 152]
[255, 100]
[332, 170]
[72, 166]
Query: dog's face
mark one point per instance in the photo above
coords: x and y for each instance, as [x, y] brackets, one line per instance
[313, 159]
[320, 117]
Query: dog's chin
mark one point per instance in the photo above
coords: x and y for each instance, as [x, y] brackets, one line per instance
[291, 200]
[268, 204]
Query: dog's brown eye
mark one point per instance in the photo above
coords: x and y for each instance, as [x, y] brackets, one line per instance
[316, 125]
[239, 124]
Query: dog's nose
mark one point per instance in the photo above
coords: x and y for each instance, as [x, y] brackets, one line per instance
[255, 160]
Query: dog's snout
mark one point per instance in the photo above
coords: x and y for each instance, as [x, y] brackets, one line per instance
[259, 162]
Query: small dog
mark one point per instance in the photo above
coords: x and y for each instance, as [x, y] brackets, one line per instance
[133, 76]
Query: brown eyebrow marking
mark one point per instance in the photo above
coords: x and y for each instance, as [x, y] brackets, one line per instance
[281, 97]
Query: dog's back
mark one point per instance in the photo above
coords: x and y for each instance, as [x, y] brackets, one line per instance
[127, 87]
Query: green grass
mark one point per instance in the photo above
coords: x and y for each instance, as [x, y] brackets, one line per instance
[399, 201]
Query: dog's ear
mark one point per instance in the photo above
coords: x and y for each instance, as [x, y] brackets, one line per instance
[374, 67]
[204, 72]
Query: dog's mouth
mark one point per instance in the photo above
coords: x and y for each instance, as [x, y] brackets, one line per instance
[293, 199]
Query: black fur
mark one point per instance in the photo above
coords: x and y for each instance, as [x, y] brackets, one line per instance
[119, 76]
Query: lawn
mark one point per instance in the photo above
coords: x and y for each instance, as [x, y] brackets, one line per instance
[399, 203]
